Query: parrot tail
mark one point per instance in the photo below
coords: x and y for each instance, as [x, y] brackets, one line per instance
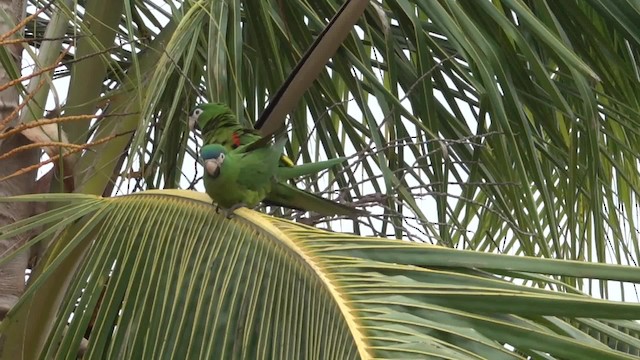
[291, 197]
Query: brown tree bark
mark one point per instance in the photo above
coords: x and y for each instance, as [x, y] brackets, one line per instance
[12, 274]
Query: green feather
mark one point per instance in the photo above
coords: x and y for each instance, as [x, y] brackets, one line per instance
[219, 125]
[284, 173]
[290, 196]
[239, 177]
[255, 157]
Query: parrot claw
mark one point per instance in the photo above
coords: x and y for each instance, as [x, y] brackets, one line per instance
[230, 211]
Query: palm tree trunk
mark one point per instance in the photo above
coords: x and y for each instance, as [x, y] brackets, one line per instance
[12, 280]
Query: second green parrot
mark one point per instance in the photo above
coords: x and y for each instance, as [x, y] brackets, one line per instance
[220, 126]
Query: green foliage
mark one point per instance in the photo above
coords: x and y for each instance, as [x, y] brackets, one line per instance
[502, 126]
[494, 126]
[161, 275]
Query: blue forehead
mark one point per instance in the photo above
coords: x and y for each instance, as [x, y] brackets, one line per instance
[212, 151]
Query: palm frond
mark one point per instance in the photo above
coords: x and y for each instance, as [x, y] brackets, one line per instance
[159, 273]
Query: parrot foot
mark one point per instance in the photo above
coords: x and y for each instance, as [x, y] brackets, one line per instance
[230, 210]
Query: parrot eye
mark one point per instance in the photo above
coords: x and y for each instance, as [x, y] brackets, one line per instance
[221, 157]
[196, 112]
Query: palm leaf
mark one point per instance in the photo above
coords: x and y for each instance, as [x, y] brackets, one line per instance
[502, 126]
[180, 280]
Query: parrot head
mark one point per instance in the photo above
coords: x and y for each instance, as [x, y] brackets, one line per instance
[213, 156]
[205, 113]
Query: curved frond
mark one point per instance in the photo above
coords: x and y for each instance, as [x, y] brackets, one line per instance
[160, 274]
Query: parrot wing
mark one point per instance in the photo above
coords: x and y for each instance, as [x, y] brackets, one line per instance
[258, 162]
[263, 147]
[246, 136]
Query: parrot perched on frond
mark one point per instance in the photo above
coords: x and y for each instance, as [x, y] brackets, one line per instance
[246, 175]
[220, 126]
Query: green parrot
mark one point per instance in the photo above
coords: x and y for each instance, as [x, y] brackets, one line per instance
[220, 126]
[246, 175]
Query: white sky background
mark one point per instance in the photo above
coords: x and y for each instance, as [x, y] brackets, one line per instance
[427, 203]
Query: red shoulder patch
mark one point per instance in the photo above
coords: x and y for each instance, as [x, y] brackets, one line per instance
[235, 138]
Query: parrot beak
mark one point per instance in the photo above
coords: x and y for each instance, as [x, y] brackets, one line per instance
[193, 122]
[212, 167]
